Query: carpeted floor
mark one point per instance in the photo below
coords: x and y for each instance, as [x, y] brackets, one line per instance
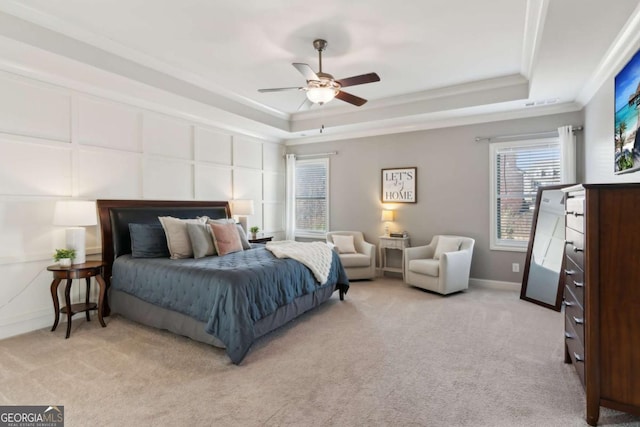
[388, 355]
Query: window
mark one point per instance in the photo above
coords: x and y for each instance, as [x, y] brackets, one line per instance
[518, 168]
[312, 204]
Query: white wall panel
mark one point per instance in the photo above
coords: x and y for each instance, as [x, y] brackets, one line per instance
[106, 174]
[212, 146]
[167, 179]
[274, 187]
[39, 237]
[247, 184]
[213, 183]
[33, 109]
[273, 157]
[107, 124]
[167, 137]
[33, 169]
[247, 153]
[273, 217]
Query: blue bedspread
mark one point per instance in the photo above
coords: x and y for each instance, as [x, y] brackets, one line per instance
[229, 293]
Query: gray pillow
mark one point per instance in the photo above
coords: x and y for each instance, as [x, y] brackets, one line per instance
[201, 240]
[148, 241]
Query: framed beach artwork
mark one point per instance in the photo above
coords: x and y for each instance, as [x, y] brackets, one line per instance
[399, 185]
[627, 117]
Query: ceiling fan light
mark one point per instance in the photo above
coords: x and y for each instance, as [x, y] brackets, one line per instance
[321, 95]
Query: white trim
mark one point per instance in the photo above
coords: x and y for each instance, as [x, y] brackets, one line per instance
[535, 17]
[494, 284]
[620, 51]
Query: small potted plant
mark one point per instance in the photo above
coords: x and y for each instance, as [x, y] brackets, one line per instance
[254, 231]
[64, 256]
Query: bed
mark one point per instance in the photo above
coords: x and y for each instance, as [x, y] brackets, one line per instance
[227, 301]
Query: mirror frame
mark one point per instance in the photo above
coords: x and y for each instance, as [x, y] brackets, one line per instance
[525, 274]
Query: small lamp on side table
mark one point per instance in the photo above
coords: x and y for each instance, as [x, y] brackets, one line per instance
[76, 215]
[241, 209]
[387, 217]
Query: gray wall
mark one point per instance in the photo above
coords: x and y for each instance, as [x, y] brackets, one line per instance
[453, 185]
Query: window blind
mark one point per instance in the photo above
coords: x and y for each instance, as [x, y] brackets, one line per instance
[521, 168]
[311, 195]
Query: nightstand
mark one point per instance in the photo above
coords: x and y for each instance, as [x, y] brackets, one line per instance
[398, 243]
[76, 271]
[261, 239]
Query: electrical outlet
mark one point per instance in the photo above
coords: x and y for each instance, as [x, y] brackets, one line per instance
[515, 267]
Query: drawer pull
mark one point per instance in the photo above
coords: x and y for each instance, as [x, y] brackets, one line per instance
[568, 242]
[569, 335]
[569, 303]
[578, 320]
[576, 249]
[578, 284]
[578, 357]
[569, 272]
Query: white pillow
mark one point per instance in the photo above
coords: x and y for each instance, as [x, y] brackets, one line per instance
[178, 239]
[344, 244]
[447, 244]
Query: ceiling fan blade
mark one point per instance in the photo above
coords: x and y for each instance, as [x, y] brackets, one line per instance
[351, 99]
[306, 71]
[306, 105]
[280, 89]
[359, 80]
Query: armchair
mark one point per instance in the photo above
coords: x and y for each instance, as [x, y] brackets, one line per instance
[442, 266]
[360, 264]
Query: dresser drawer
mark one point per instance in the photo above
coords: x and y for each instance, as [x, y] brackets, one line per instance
[575, 247]
[574, 280]
[574, 313]
[575, 348]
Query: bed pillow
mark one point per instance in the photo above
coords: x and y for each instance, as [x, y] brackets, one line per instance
[344, 244]
[201, 240]
[446, 244]
[148, 241]
[243, 236]
[178, 239]
[226, 238]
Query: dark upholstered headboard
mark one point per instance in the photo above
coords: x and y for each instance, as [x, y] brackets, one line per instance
[116, 215]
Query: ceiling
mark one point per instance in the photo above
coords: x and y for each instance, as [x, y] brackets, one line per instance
[440, 61]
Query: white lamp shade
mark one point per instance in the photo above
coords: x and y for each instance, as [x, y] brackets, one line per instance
[75, 213]
[387, 215]
[320, 95]
[242, 207]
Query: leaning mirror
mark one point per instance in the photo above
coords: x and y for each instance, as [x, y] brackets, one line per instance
[545, 255]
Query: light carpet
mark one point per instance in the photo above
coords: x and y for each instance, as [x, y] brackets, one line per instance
[389, 355]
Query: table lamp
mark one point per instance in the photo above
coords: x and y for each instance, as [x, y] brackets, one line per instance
[387, 217]
[241, 209]
[75, 215]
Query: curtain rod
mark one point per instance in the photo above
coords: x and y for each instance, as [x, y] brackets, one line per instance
[523, 135]
[302, 156]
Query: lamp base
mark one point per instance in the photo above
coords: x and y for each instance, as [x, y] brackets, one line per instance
[243, 222]
[76, 240]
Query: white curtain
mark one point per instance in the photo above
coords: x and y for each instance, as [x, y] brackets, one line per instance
[567, 155]
[290, 203]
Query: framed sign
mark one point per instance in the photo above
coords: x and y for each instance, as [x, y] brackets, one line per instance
[399, 185]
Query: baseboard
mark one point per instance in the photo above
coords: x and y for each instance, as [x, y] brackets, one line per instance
[24, 323]
[494, 284]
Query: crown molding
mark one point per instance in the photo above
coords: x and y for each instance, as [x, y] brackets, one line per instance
[623, 47]
[535, 17]
[438, 120]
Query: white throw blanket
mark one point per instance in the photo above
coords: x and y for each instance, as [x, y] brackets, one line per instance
[316, 256]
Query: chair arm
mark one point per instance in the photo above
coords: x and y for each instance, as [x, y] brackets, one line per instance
[455, 266]
[368, 249]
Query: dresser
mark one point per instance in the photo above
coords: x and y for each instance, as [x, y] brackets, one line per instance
[602, 294]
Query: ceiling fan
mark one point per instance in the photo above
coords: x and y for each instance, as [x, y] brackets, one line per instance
[322, 87]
